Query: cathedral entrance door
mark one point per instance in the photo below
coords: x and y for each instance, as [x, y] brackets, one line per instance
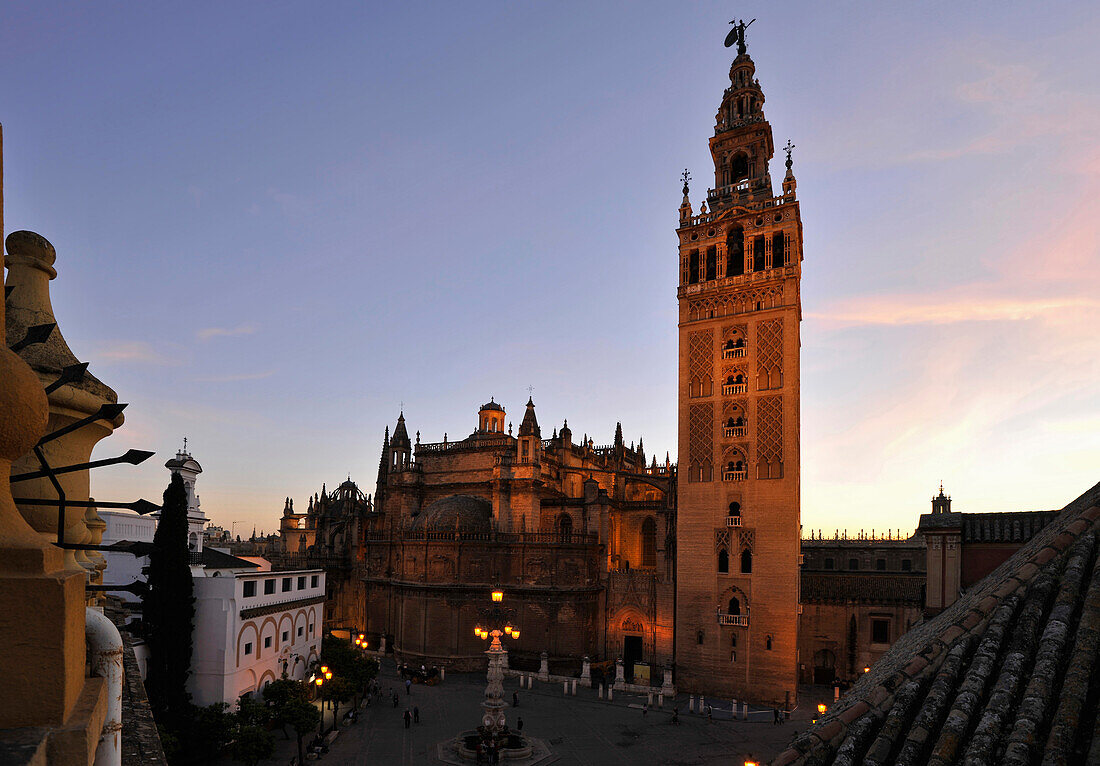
[824, 667]
[632, 652]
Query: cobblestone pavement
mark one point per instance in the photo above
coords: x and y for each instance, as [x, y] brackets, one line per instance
[580, 729]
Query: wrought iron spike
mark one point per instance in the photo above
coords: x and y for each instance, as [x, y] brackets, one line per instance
[132, 547]
[38, 333]
[137, 587]
[141, 506]
[133, 457]
[106, 412]
[74, 373]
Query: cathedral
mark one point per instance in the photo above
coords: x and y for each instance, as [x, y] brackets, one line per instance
[580, 536]
[602, 554]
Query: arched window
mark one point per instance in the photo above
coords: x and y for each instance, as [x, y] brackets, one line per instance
[746, 561]
[779, 249]
[723, 561]
[739, 168]
[768, 643]
[734, 606]
[693, 267]
[735, 252]
[758, 253]
[649, 542]
[712, 263]
[735, 509]
[565, 527]
[730, 423]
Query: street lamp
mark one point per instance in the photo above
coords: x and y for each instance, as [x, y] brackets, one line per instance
[821, 708]
[495, 621]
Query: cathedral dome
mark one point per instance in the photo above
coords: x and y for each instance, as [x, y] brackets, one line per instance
[462, 512]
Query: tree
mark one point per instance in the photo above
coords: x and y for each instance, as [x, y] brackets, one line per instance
[280, 695]
[213, 728]
[252, 744]
[169, 610]
[302, 716]
[338, 690]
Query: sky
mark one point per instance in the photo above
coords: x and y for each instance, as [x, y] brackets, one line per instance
[279, 223]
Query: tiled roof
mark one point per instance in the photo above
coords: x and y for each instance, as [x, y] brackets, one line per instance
[868, 587]
[1008, 674]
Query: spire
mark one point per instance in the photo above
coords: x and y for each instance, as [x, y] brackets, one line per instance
[618, 435]
[789, 183]
[400, 434]
[530, 424]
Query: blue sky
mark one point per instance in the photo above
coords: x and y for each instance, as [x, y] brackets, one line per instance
[276, 222]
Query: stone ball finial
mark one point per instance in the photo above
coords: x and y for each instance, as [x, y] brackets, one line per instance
[34, 249]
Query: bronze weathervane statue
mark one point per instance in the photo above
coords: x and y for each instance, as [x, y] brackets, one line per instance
[737, 35]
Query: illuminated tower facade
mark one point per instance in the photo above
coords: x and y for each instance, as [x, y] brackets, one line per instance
[738, 489]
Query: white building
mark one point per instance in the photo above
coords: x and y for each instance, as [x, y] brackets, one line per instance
[251, 624]
[250, 628]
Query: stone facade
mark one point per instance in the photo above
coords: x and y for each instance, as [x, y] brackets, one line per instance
[581, 538]
[738, 523]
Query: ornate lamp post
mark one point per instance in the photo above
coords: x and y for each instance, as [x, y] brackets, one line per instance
[494, 622]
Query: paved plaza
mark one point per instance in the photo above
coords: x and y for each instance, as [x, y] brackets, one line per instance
[579, 730]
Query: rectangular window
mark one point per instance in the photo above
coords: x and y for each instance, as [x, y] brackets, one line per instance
[301, 583]
[880, 565]
[853, 564]
[288, 584]
[269, 587]
[249, 588]
[906, 565]
[248, 647]
[828, 563]
[880, 631]
[286, 636]
[311, 629]
[301, 630]
[267, 642]
[313, 580]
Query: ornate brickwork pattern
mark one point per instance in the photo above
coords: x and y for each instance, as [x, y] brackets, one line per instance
[734, 331]
[769, 428]
[738, 303]
[721, 540]
[701, 434]
[701, 354]
[733, 408]
[769, 345]
[747, 538]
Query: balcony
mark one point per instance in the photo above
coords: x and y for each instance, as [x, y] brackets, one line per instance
[733, 521]
[733, 353]
[737, 620]
[733, 432]
[734, 388]
[734, 475]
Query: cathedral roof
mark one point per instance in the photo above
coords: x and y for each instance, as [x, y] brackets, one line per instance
[464, 513]
[1003, 675]
[400, 433]
[491, 405]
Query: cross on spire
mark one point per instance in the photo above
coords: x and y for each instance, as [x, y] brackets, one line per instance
[788, 149]
[185, 444]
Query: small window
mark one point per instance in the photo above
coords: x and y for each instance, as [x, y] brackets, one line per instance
[267, 642]
[249, 588]
[746, 561]
[880, 565]
[906, 565]
[301, 631]
[288, 584]
[700, 636]
[880, 631]
[248, 647]
[723, 561]
[829, 563]
[301, 583]
[768, 643]
[313, 580]
[286, 636]
[269, 587]
[311, 629]
[853, 564]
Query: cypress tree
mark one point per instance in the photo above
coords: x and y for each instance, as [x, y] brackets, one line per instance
[169, 610]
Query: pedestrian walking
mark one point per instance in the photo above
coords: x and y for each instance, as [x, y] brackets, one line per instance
[519, 724]
[645, 709]
[515, 699]
[676, 715]
[416, 714]
[710, 713]
[775, 716]
[408, 686]
[395, 699]
[408, 718]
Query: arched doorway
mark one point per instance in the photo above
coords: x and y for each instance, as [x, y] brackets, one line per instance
[633, 646]
[824, 667]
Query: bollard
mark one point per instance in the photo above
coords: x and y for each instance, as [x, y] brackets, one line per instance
[574, 687]
[443, 674]
[660, 699]
[565, 687]
[691, 703]
[599, 691]
[836, 693]
[649, 699]
[609, 690]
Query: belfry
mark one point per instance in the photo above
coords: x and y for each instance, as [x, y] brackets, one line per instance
[738, 490]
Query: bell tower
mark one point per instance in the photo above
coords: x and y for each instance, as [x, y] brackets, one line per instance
[738, 490]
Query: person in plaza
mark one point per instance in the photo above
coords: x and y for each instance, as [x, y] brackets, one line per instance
[676, 715]
[775, 716]
[515, 699]
[395, 699]
[519, 724]
[416, 714]
[408, 718]
[408, 686]
[710, 713]
[645, 709]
